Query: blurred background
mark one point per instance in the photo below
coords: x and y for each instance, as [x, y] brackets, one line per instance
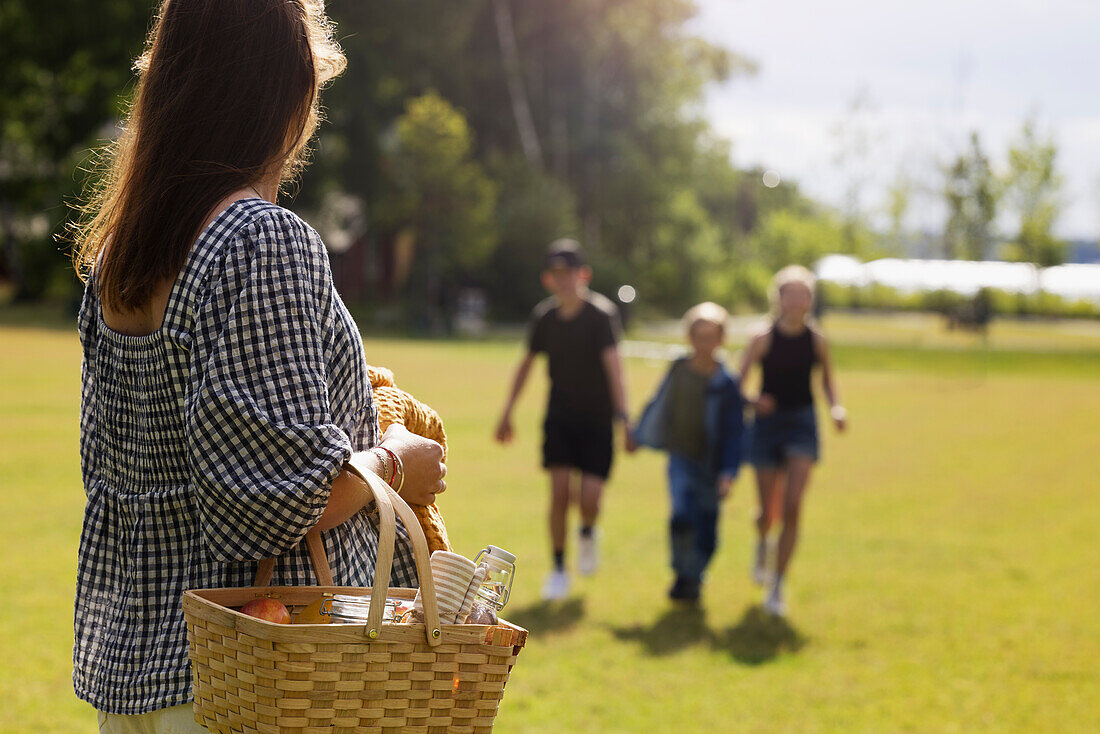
[936, 163]
[693, 148]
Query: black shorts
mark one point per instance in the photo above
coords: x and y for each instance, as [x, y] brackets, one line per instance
[583, 444]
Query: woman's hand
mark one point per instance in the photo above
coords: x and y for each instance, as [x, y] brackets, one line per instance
[423, 462]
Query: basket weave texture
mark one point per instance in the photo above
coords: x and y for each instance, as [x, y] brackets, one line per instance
[251, 675]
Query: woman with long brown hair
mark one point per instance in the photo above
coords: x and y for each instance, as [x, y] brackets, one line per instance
[224, 385]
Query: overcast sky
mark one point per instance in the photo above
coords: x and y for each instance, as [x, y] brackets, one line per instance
[927, 72]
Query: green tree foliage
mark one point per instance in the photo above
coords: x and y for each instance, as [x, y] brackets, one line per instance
[438, 187]
[439, 197]
[64, 67]
[899, 200]
[607, 89]
[463, 137]
[971, 192]
[763, 228]
[787, 238]
[533, 208]
[1032, 188]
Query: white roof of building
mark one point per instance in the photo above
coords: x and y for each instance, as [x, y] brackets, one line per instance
[1073, 281]
[1077, 280]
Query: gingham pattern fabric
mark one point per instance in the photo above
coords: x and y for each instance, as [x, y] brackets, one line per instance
[212, 443]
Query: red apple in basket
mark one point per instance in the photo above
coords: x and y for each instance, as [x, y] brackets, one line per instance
[268, 609]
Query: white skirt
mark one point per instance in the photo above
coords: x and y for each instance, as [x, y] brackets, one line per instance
[173, 720]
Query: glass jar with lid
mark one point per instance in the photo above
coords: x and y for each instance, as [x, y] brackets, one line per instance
[501, 567]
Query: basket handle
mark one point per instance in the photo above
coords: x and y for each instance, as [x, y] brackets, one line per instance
[266, 566]
[388, 503]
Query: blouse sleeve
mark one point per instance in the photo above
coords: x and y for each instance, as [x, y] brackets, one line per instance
[262, 446]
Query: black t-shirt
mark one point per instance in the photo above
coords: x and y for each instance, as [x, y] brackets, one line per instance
[579, 387]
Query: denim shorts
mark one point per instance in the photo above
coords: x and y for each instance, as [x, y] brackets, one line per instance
[785, 433]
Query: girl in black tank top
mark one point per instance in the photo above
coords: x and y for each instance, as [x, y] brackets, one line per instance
[787, 367]
[784, 445]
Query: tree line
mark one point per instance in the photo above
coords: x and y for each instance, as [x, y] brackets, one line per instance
[1028, 193]
[466, 136]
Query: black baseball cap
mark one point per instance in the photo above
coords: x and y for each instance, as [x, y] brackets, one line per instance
[564, 253]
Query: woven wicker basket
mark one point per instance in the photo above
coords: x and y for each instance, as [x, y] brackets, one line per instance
[251, 675]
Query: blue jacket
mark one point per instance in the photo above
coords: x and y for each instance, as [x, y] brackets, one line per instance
[723, 414]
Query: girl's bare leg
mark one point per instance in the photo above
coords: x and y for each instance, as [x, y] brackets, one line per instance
[559, 506]
[768, 487]
[591, 491]
[769, 484]
[798, 477]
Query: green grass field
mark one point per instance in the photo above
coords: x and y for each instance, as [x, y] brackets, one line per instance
[947, 579]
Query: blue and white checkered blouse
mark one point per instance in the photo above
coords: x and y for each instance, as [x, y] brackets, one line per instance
[212, 443]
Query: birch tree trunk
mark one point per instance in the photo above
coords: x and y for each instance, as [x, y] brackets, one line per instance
[521, 110]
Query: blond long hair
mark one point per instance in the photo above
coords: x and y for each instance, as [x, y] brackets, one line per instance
[227, 96]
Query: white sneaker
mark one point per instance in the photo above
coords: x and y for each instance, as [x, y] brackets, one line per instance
[760, 575]
[556, 586]
[774, 605]
[587, 554]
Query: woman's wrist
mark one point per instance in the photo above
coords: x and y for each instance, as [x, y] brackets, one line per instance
[393, 467]
[370, 461]
[387, 468]
[362, 462]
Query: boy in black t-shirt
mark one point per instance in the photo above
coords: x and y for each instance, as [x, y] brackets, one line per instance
[578, 330]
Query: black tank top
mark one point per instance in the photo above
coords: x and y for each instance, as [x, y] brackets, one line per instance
[787, 367]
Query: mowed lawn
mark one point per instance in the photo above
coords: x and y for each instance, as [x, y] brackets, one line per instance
[947, 580]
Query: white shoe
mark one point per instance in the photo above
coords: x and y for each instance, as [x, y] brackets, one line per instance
[556, 586]
[774, 605]
[587, 554]
[763, 564]
[760, 575]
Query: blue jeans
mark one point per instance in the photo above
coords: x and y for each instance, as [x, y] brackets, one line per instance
[694, 525]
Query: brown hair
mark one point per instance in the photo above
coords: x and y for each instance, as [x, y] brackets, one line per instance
[227, 96]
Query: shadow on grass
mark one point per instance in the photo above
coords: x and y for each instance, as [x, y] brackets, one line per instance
[548, 616]
[679, 627]
[756, 638]
[759, 637]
